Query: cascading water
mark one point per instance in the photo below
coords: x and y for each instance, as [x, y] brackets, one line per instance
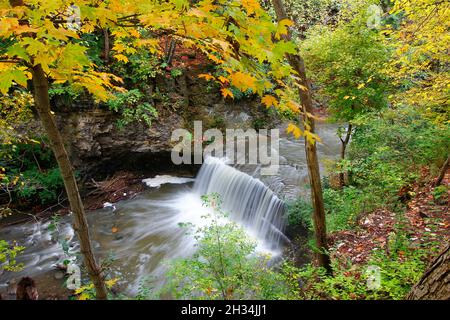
[146, 229]
[247, 199]
[147, 233]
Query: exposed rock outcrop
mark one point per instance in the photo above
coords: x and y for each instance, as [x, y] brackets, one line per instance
[97, 146]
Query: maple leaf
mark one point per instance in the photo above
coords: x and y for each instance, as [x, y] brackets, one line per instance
[311, 137]
[206, 76]
[226, 93]
[269, 101]
[215, 59]
[251, 5]
[292, 128]
[111, 282]
[72, 57]
[121, 57]
[282, 28]
[294, 106]
[119, 47]
[9, 76]
[243, 81]
[223, 79]
[17, 50]
[302, 87]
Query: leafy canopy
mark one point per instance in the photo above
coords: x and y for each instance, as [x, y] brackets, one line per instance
[238, 36]
[347, 62]
[418, 34]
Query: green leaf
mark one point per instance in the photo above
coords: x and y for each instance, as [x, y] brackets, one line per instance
[17, 50]
[8, 76]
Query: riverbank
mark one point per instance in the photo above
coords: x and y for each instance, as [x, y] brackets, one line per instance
[390, 214]
[426, 221]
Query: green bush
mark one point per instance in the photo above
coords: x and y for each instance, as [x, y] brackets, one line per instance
[386, 153]
[45, 185]
[399, 267]
[225, 265]
[30, 172]
[300, 212]
[63, 90]
[343, 207]
[401, 138]
[440, 194]
[141, 68]
[132, 107]
[8, 254]
[346, 63]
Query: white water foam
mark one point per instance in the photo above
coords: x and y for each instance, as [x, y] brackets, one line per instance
[159, 180]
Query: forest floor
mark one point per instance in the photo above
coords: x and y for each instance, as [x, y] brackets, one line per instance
[425, 220]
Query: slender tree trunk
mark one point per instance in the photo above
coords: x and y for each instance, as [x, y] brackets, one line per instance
[298, 64]
[435, 283]
[343, 148]
[169, 49]
[443, 171]
[42, 103]
[107, 45]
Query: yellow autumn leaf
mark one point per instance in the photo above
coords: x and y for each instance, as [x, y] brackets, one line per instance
[269, 101]
[311, 137]
[206, 76]
[362, 85]
[111, 282]
[346, 97]
[292, 128]
[243, 81]
[302, 87]
[282, 28]
[121, 57]
[83, 296]
[250, 5]
[135, 33]
[223, 79]
[80, 290]
[16, 179]
[294, 106]
[226, 93]
[215, 59]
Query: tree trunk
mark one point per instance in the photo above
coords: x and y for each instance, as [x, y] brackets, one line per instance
[435, 283]
[107, 45]
[169, 50]
[343, 148]
[443, 172]
[42, 103]
[297, 63]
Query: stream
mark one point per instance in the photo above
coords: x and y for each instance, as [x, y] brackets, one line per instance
[141, 235]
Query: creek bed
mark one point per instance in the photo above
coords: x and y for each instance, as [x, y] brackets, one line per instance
[141, 235]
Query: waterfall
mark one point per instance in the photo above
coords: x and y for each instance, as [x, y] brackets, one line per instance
[246, 199]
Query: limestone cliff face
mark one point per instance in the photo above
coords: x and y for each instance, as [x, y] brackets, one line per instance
[95, 143]
[97, 146]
